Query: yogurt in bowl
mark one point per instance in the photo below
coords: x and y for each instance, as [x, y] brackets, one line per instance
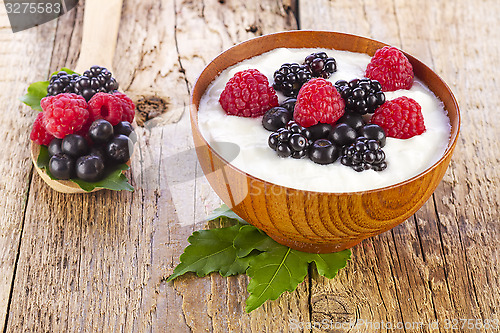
[323, 213]
[405, 157]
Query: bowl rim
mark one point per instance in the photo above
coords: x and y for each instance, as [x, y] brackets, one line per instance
[449, 149]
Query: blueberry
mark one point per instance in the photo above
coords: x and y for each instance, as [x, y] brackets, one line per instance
[353, 120]
[74, 145]
[323, 151]
[123, 127]
[90, 168]
[342, 134]
[101, 131]
[119, 149]
[55, 147]
[61, 166]
[99, 151]
[276, 118]
[320, 131]
[373, 132]
[289, 104]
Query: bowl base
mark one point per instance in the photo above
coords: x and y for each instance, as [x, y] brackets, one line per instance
[315, 248]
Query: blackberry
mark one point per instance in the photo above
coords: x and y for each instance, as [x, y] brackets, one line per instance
[361, 96]
[96, 79]
[290, 141]
[62, 82]
[290, 78]
[364, 154]
[321, 65]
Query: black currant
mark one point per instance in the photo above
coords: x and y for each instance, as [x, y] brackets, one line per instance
[90, 168]
[61, 166]
[119, 149]
[74, 145]
[101, 131]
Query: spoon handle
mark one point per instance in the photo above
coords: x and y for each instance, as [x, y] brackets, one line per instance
[100, 33]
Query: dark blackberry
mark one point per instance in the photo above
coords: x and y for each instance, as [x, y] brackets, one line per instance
[96, 79]
[361, 96]
[321, 65]
[290, 78]
[61, 82]
[292, 140]
[364, 154]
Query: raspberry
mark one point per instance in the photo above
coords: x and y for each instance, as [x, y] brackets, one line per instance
[391, 68]
[248, 94]
[318, 101]
[400, 118]
[64, 114]
[106, 106]
[39, 134]
[127, 105]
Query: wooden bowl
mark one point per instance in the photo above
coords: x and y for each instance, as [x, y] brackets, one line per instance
[309, 221]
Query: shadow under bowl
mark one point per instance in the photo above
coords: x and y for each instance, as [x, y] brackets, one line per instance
[317, 222]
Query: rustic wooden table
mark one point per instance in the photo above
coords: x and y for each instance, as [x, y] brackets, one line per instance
[99, 262]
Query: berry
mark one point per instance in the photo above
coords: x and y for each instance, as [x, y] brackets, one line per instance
[289, 104]
[119, 149]
[127, 105]
[61, 166]
[374, 132]
[101, 131]
[99, 151]
[248, 94]
[322, 151]
[352, 119]
[342, 134]
[61, 82]
[276, 118]
[64, 114]
[106, 106]
[125, 128]
[290, 78]
[318, 101]
[400, 118]
[320, 131]
[38, 133]
[364, 154]
[292, 140]
[54, 147]
[361, 96]
[95, 80]
[74, 145]
[321, 65]
[391, 68]
[90, 168]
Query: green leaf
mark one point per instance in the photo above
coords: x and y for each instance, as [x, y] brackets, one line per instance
[250, 238]
[328, 264]
[273, 272]
[211, 251]
[38, 90]
[224, 212]
[115, 181]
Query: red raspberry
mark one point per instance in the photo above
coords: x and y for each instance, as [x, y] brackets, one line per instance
[127, 105]
[39, 134]
[400, 118]
[248, 94]
[106, 106]
[318, 102]
[391, 68]
[64, 114]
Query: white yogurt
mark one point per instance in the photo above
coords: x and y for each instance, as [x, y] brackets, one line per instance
[405, 158]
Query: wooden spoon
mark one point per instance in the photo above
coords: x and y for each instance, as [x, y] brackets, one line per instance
[100, 33]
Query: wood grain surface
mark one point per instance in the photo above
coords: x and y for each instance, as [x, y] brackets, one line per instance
[99, 262]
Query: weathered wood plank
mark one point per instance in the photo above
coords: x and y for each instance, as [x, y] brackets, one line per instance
[438, 265]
